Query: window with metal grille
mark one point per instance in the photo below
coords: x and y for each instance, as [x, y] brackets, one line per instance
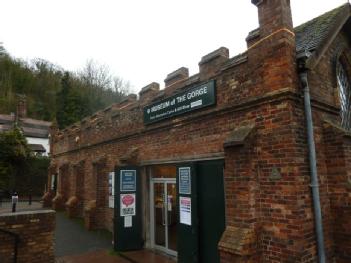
[345, 95]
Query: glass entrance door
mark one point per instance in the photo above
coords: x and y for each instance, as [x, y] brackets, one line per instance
[164, 217]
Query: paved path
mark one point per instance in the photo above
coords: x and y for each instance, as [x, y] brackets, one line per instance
[147, 256]
[75, 244]
[71, 238]
[100, 256]
[103, 256]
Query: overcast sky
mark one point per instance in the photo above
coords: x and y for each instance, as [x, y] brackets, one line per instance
[140, 40]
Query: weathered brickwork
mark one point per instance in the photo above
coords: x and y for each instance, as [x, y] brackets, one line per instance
[36, 236]
[324, 77]
[337, 148]
[269, 210]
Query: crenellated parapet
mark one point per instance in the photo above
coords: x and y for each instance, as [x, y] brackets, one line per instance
[126, 117]
[234, 87]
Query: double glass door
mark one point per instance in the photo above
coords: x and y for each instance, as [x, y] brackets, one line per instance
[164, 216]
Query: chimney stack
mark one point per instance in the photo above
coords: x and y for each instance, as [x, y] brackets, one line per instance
[22, 106]
[273, 46]
[273, 15]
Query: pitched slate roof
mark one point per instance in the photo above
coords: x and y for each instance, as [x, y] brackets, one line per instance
[312, 33]
[37, 148]
[30, 127]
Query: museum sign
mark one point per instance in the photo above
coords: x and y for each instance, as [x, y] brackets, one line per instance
[192, 99]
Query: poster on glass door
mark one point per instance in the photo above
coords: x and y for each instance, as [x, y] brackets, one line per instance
[185, 210]
[184, 180]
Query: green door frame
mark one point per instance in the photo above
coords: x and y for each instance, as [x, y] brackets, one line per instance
[128, 237]
[163, 181]
[187, 240]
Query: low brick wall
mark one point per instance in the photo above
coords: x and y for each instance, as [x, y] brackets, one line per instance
[35, 230]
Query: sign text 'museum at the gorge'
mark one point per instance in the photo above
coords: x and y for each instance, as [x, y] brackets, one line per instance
[185, 101]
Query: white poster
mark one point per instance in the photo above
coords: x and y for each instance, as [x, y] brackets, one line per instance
[185, 210]
[127, 221]
[111, 201]
[111, 183]
[127, 204]
[111, 190]
[52, 182]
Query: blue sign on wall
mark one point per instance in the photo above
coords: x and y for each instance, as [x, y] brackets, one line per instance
[184, 180]
[128, 180]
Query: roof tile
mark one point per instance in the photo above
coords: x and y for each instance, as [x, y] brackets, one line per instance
[312, 33]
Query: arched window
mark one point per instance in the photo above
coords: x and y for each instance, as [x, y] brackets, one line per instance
[344, 95]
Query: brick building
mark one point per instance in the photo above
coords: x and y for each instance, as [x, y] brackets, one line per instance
[247, 161]
[35, 131]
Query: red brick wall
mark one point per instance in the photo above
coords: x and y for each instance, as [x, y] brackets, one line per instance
[101, 194]
[80, 188]
[277, 135]
[64, 183]
[332, 154]
[36, 234]
[338, 154]
[269, 208]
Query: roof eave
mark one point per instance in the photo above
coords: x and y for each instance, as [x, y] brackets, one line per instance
[316, 56]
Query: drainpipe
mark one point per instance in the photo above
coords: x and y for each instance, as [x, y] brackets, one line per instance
[313, 167]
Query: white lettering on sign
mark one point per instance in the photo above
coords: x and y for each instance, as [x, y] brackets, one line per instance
[168, 103]
[197, 93]
[196, 103]
[161, 106]
[181, 98]
[187, 100]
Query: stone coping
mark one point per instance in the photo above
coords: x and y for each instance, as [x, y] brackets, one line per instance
[25, 213]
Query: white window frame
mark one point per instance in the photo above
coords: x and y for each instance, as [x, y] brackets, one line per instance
[344, 88]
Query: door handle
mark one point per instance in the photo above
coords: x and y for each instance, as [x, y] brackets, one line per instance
[164, 211]
[169, 209]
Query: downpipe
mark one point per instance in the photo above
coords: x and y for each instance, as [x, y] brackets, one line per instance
[313, 168]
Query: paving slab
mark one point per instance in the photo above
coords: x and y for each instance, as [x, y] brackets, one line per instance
[100, 256]
[75, 244]
[71, 237]
[143, 256]
[106, 256]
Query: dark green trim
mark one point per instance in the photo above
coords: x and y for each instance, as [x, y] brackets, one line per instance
[188, 100]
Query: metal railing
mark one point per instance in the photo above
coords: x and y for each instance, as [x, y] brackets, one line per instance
[15, 245]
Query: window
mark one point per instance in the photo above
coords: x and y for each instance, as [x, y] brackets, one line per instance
[344, 95]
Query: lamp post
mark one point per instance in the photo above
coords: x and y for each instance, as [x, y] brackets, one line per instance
[30, 196]
[14, 201]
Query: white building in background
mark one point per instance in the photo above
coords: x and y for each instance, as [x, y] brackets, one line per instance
[35, 131]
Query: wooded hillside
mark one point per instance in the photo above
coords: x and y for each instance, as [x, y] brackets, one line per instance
[53, 93]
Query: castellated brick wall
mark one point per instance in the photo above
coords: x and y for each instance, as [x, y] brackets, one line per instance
[36, 236]
[269, 211]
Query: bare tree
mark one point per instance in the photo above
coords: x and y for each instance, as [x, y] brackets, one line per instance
[96, 75]
[2, 50]
[121, 86]
[101, 85]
